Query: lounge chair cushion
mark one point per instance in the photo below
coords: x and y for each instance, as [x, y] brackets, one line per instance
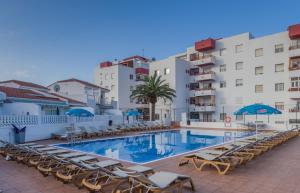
[164, 179]
[83, 158]
[73, 154]
[107, 163]
[140, 168]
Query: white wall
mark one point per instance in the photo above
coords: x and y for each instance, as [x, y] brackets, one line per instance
[118, 76]
[177, 79]
[39, 131]
[19, 108]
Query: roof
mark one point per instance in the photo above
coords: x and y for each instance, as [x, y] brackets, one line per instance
[80, 81]
[71, 101]
[26, 84]
[27, 94]
[136, 57]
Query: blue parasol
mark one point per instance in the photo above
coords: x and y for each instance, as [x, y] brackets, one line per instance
[79, 113]
[257, 109]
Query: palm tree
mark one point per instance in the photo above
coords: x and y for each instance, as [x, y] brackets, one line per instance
[153, 89]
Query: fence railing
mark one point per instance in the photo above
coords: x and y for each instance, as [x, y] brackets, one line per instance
[20, 120]
[7, 120]
[54, 119]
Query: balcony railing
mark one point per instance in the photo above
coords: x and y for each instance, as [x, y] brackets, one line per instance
[205, 60]
[294, 89]
[294, 47]
[294, 110]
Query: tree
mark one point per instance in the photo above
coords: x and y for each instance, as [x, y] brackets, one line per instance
[154, 88]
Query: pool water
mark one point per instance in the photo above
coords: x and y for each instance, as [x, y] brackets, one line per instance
[149, 147]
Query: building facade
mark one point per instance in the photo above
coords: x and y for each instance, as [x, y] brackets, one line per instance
[226, 74]
[121, 78]
[85, 92]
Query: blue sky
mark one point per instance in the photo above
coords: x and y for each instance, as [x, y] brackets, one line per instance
[48, 40]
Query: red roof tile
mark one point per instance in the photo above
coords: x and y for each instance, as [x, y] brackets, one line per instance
[26, 84]
[27, 94]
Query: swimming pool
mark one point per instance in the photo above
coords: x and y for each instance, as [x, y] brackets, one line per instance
[150, 147]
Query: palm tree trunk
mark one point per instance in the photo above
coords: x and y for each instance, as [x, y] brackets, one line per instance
[152, 118]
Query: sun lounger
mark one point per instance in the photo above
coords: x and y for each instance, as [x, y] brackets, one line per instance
[158, 182]
[55, 162]
[99, 179]
[219, 160]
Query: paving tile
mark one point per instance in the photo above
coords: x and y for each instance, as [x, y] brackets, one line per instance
[276, 171]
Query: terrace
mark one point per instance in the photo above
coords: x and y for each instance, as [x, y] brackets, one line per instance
[277, 171]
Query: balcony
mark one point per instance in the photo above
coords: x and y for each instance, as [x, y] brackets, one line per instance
[203, 92]
[105, 64]
[202, 107]
[294, 110]
[294, 93]
[205, 76]
[294, 31]
[294, 63]
[205, 45]
[205, 60]
[144, 71]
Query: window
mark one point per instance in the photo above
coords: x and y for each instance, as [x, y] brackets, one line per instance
[295, 82]
[279, 87]
[223, 84]
[131, 76]
[279, 105]
[239, 48]
[131, 88]
[259, 88]
[259, 70]
[279, 67]
[259, 52]
[167, 71]
[112, 99]
[278, 48]
[239, 66]
[106, 76]
[156, 72]
[222, 51]
[238, 82]
[101, 83]
[112, 75]
[222, 116]
[223, 68]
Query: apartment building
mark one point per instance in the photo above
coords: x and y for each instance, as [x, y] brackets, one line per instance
[121, 77]
[226, 74]
[174, 71]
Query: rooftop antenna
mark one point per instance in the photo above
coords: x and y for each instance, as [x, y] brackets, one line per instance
[143, 52]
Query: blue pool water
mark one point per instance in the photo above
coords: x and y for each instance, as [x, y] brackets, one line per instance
[150, 147]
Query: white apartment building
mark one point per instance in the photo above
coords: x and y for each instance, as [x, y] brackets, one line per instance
[85, 92]
[121, 77]
[173, 70]
[226, 74]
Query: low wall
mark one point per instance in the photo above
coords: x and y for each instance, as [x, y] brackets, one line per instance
[233, 125]
[211, 125]
[41, 127]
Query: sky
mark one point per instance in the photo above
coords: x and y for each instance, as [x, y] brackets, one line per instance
[43, 41]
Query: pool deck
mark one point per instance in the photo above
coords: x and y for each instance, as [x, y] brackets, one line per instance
[277, 171]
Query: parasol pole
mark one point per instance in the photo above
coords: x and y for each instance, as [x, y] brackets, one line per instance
[256, 126]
